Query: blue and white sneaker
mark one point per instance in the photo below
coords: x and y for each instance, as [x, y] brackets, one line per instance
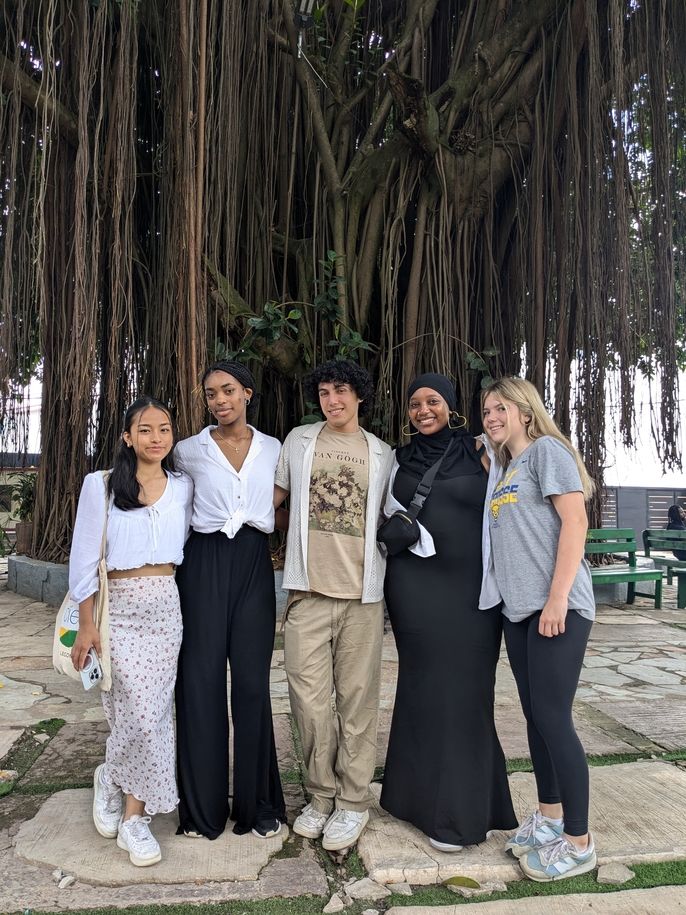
[558, 860]
[534, 832]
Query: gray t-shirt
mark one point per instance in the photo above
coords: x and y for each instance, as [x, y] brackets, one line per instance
[525, 530]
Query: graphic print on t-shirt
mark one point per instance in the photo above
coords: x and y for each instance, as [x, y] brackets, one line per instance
[505, 493]
[336, 499]
[336, 519]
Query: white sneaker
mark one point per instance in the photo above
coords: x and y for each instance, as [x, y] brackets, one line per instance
[107, 804]
[134, 836]
[310, 822]
[343, 828]
[444, 846]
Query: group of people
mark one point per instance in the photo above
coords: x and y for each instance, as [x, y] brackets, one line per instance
[499, 548]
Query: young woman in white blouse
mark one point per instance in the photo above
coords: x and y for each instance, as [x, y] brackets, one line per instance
[146, 507]
[228, 604]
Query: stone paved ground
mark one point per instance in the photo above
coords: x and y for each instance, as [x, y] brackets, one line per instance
[630, 701]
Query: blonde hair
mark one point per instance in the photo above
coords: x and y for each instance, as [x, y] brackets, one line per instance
[524, 395]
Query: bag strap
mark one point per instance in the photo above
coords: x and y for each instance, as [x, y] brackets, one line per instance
[103, 541]
[425, 484]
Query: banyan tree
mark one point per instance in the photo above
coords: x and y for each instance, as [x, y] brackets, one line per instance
[473, 186]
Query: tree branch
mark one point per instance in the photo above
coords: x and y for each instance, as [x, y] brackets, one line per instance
[312, 103]
[487, 56]
[336, 64]
[33, 95]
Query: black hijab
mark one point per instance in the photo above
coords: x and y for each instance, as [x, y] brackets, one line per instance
[676, 522]
[425, 450]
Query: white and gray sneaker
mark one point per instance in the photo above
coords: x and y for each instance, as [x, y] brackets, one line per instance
[107, 804]
[558, 860]
[343, 829]
[533, 832]
[310, 822]
[134, 836]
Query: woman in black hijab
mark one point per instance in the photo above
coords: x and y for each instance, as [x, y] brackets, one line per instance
[445, 769]
[675, 522]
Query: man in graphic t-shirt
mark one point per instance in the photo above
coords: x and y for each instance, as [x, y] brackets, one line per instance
[336, 474]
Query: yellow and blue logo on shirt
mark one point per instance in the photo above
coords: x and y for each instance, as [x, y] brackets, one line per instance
[505, 493]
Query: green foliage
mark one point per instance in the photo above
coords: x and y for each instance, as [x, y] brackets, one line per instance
[347, 343]
[477, 363]
[275, 321]
[5, 544]
[281, 320]
[326, 302]
[312, 415]
[24, 493]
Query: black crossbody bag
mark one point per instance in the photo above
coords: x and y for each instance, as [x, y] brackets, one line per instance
[401, 530]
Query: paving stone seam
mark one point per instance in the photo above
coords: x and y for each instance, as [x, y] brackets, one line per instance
[614, 728]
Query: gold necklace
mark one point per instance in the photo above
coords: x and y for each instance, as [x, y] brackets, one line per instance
[226, 441]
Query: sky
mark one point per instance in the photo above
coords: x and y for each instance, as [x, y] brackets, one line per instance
[641, 466]
[637, 467]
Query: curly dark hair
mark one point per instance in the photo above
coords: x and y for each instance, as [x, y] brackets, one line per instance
[341, 371]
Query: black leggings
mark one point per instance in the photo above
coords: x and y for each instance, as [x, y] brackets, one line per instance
[547, 674]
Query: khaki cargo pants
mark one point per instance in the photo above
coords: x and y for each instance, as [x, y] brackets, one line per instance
[334, 645]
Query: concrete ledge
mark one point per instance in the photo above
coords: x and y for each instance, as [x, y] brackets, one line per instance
[62, 835]
[44, 581]
[636, 816]
[49, 581]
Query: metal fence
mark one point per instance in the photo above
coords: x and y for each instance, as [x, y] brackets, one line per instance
[639, 507]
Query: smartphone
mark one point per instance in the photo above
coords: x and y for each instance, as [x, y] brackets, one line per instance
[91, 673]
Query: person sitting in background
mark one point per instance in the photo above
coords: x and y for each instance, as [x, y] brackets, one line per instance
[676, 521]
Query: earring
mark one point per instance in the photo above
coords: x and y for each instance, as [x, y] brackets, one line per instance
[460, 425]
[247, 401]
[406, 430]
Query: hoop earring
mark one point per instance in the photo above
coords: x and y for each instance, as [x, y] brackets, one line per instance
[408, 433]
[460, 425]
[247, 401]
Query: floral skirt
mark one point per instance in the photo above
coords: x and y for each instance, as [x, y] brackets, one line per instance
[145, 638]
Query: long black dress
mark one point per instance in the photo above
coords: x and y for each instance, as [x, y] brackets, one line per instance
[445, 768]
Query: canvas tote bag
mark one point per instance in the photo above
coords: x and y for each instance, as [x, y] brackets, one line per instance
[67, 622]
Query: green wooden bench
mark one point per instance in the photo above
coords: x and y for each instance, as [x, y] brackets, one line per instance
[621, 541]
[665, 540]
[680, 588]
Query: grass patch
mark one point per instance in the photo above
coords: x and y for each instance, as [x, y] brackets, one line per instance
[302, 905]
[27, 749]
[522, 764]
[290, 777]
[49, 726]
[518, 764]
[648, 876]
[616, 759]
[354, 866]
[51, 787]
[291, 848]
